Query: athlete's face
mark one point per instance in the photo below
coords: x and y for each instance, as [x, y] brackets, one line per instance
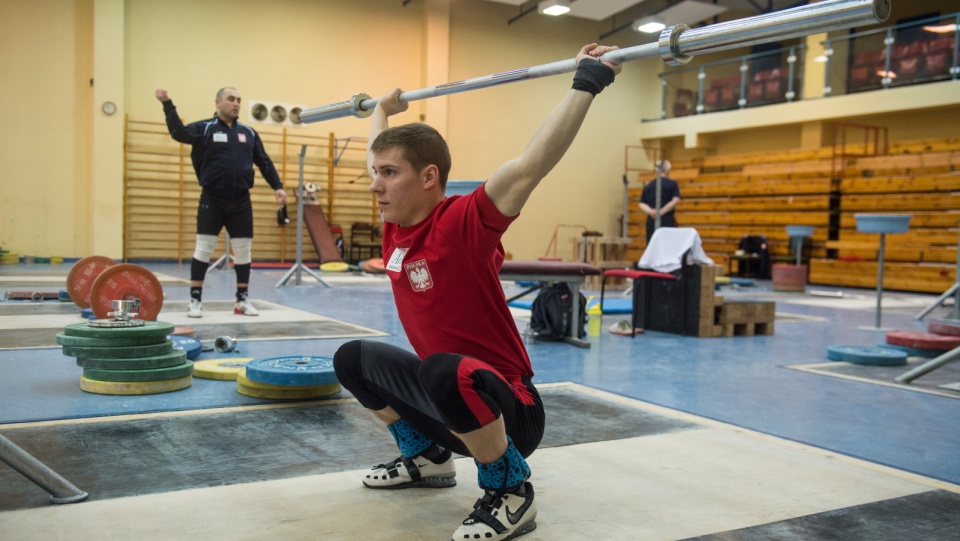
[228, 106]
[404, 196]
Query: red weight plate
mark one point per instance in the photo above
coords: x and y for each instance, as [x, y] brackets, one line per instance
[81, 276]
[127, 282]
[185, 331]
[923, 340]
[373, 266]
[942, 327]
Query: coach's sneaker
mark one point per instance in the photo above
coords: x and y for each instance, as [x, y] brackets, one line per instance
[414, 472]
[244, 308]
[500, 517]
[195, 309]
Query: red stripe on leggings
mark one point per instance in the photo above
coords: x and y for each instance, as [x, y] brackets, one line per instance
[477, 406]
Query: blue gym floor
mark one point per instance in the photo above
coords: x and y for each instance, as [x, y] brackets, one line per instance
[750, 383]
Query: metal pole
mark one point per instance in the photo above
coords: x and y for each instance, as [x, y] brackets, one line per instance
[929, 366]
[677, 45]
[955, 288]
[61, 490]
[883, 240]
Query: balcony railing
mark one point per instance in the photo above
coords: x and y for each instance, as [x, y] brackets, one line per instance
[736, 83]
[910, 53]
[906, 54]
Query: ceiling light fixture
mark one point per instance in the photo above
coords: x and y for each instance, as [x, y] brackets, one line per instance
[942, 29]
[554, 7]
[648, 25]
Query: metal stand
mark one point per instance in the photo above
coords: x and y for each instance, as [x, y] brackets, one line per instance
[299, 267]
[61, 490]
[882, 224]
[954, 289]
[225, 259]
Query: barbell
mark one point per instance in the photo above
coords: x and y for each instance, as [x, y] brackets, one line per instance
[677, 45]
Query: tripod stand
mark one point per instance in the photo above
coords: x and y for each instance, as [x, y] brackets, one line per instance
[298, 267]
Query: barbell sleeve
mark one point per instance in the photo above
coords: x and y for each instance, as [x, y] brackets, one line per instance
[676, 46]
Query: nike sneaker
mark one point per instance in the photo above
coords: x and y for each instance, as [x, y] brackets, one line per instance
[499, 517]
[414, 472]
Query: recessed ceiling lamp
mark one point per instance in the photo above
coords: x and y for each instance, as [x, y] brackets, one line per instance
[554, 7]
[648, 25]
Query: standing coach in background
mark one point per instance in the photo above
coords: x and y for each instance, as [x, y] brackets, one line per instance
[669, 199]
[223, 155]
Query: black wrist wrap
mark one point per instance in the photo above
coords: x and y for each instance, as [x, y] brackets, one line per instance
[592, 76]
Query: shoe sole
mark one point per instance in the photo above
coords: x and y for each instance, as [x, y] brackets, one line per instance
[243, 314]
[524, 529]
[197, 316]
[426, 482]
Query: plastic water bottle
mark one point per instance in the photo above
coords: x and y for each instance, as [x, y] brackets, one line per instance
[594, 320]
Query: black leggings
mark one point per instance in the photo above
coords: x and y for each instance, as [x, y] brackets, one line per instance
[442, 394]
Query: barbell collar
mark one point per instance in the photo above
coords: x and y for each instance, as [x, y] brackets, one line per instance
[669, 46]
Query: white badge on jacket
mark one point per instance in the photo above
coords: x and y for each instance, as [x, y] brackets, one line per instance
[219, 137]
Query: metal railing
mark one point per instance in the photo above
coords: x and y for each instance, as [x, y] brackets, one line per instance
[736, 83]
[905, 54]
[910, 53]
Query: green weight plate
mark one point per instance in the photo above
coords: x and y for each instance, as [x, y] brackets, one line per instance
[174, 358]
[133, 387]
[117, 341]
[155, 374]
[151, 328]
[121, 352]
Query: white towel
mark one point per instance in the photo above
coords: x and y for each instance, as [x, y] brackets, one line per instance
[667, 246]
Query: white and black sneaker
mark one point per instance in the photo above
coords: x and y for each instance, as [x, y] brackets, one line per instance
[414, 472]
[499, 517]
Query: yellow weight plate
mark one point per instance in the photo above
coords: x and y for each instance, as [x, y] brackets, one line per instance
[272, 394]
[244, 380]
[335, 266]
[221, 369]
[134, 387]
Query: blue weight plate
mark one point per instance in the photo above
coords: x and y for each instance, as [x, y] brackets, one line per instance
[916, 352]
[872, 355]
[191, 345]
[302, 370]
[87, 313]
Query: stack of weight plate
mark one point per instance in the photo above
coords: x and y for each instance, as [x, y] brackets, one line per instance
[289, 378]
[127, 360]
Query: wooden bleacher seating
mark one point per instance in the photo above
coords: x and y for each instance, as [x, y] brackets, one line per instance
[726, 197]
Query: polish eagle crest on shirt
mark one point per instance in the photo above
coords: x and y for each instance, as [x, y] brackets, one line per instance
[419, 275]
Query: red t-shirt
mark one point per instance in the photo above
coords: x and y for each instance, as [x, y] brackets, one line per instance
[446, 284]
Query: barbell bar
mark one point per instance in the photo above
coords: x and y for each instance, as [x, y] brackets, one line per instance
[677, 45]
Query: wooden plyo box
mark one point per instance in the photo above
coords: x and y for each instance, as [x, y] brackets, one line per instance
[743, 318]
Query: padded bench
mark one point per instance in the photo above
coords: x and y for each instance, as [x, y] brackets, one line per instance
[546, 272]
